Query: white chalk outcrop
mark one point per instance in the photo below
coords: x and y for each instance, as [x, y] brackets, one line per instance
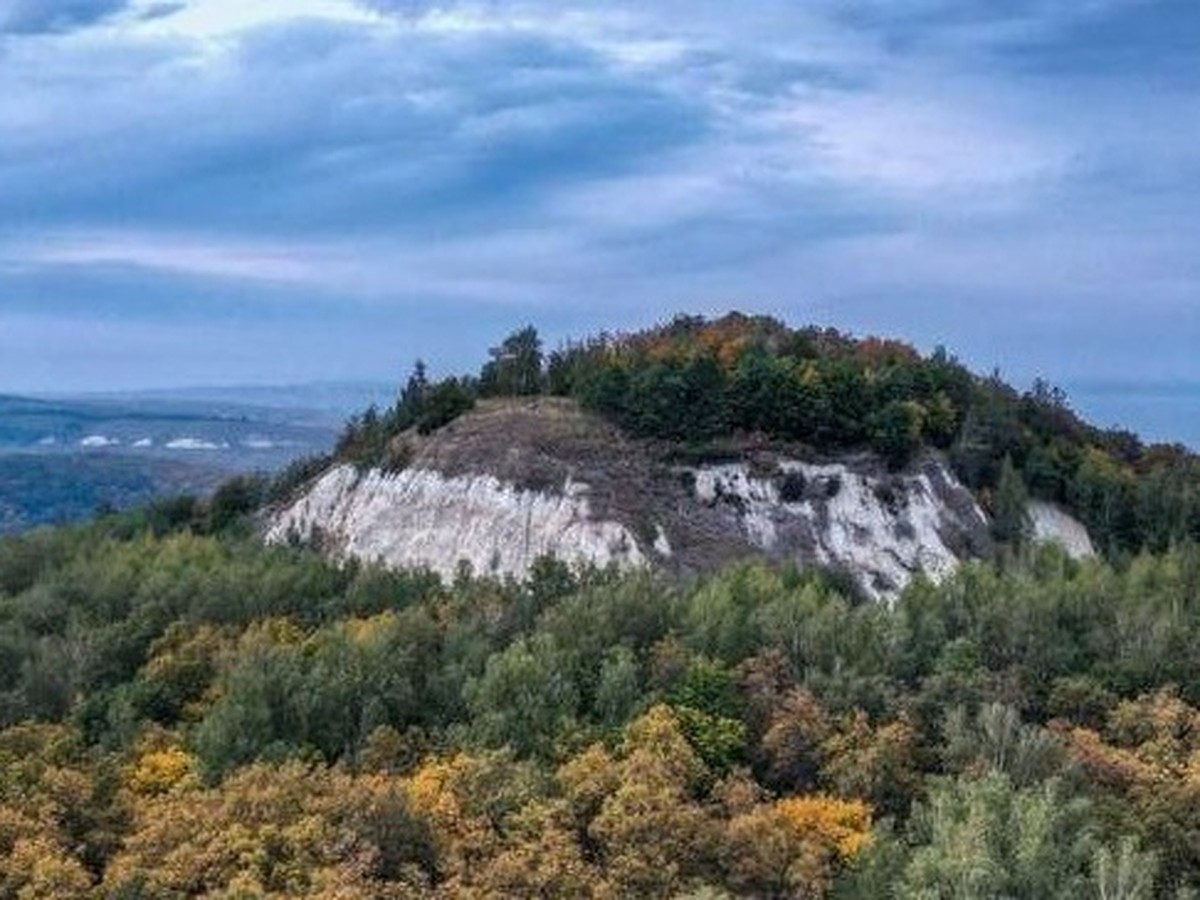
[1052, 525]
[421, 517]
[881, 529]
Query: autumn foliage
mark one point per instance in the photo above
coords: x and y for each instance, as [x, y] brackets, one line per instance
[185, 712]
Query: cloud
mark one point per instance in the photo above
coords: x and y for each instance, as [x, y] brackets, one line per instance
[314, 126]
[224, 259]
[399, 177]
[407, 8]
[43, 16]
[155, 11]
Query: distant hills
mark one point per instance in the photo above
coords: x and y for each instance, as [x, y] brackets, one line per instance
[62, 458]
[45, 489]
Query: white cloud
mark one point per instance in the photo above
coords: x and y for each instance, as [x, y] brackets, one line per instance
[207, 19]
[212, 258]
[923, 149]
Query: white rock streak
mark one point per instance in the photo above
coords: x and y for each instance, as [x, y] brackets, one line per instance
[851, 523]
[422, 518]
[1052, 525]
[881, 529]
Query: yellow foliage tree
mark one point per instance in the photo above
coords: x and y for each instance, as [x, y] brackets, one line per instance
[40, 869]
[283, 831]
[654, 837]
[54, 821]
[158, 771]
[792, 847]
[1149, 757]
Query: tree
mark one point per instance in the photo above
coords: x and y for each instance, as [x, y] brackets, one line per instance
[981, 839]
[896, 432]
[990, 431]
[446, 401]
[515, 369]
[790, 848]
[654, 839]
[1125, 874]
[1010, 507]
[525, 697]
[416, 388]
[997, 740]
[286, 831]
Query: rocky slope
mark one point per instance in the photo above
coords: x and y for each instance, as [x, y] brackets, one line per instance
[1053, 524]
[513, 481]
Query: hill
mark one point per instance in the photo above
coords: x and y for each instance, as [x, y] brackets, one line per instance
[514, 480]
[699, 442]
[186, 710]
[45, 489]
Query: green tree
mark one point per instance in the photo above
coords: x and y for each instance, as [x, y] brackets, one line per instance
[1124, 873]
[1010, 507]
[525, 697]
[447, 400]
[979, 839]
[896, 432]
[515, 369]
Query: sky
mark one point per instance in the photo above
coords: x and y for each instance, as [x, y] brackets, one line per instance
[212, 192]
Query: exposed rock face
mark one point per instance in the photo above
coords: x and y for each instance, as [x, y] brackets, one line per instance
[1052, 525]
[420, 517]
[882, 529]
[514, 481]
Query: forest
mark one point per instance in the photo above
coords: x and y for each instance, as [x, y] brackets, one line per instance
[187, 712]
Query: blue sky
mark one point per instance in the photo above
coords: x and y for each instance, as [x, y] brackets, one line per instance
[225, 191]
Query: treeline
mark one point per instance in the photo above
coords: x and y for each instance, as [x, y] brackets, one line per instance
[184, 712]
[695, 380]
[750, 380]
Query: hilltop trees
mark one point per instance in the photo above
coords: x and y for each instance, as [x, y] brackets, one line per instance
[695, 380]
[515, 369]
[713, 386]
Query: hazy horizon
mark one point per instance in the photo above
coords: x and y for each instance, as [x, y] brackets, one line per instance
[1159, 412]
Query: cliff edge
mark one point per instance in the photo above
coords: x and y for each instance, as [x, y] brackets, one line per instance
[515, 480]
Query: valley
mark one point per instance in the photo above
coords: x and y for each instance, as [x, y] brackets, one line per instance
[62, 459]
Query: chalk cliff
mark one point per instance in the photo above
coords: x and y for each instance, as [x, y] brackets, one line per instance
[514, 481]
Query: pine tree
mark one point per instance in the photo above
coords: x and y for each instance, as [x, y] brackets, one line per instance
[1010, 507]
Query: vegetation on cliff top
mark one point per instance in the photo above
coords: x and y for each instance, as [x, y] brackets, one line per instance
[693, 382]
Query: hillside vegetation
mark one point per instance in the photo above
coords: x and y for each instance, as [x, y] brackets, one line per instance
[186, 712]
[713, 387]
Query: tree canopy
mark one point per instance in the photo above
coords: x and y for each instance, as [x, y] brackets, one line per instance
[185, 712]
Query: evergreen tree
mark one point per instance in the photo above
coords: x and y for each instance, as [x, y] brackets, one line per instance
[417, 387]
[515, 369]
[1010, 507]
